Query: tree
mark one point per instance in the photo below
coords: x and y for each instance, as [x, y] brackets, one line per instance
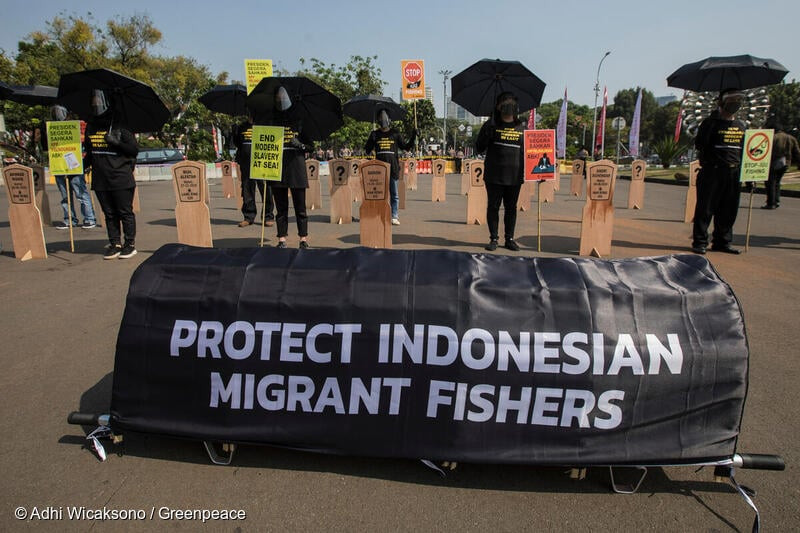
[427, 125]
[784, 102]
[130, 38]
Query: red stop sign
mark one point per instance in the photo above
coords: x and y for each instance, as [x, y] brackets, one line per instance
[413, 72]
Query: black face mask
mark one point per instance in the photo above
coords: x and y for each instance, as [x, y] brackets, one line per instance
[732, 107]
[383, 120]
[508, 108]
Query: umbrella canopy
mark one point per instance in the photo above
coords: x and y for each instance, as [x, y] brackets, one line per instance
[226, 99]
[476, 88]
[135, 104]
[5, 91]
[365, 108]
[731, 72]
[319, 110]
[33, 94]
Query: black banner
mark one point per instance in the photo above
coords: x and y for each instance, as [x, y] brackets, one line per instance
[435, 354]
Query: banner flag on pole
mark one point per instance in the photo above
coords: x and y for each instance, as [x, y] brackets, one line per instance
[561, 129]
[679, 120]
[600, 140]
[633, 139]
[532, 120]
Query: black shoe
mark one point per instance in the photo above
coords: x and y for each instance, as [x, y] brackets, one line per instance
[113, 251]
[727, 249]
[512, 245]
[768, 206]
[281, 244]
[492, 246]
[304, 245]
[699, 249]
[128, 251]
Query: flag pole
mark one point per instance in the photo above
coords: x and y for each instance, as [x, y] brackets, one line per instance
[539, 216]
[69, 213]
[749, 218]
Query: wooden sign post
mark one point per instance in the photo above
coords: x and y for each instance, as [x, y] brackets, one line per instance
[355, 179]
[228, 183]
[314, 192]
[42, 201]
[691, 192]
[375, 213]
[411, 174]
[191, 210]
[576, 183]
[636, 192]
[341, 193]
[597, 224]
[477, 199]
[27, 235]
[439, 185]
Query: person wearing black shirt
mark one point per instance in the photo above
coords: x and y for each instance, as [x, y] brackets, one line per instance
[242, 139]
[719, 141]
[111, 152]
[385, 141]
[502, 138]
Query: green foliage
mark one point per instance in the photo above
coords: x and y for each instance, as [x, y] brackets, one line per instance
[784, 101]
[427, 124]
[668, 150]
[200, 145]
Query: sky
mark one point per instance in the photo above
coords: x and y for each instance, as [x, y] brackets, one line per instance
[562, 42]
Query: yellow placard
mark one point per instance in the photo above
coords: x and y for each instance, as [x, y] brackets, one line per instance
[64, 147]
[266, 153]
[756, 155]
[413, 74]
[255, 70]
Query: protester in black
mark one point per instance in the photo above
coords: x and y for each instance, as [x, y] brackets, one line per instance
[293, 170]
[719, 141]
[242, 139]
[385, 141]
[111, 152]
[502, 138]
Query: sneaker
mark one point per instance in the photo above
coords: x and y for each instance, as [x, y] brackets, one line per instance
[61, 225]
[304, 245]
[512, 245]
[492, 246]
[395, 221]
[245, 223]
[113, 251]
[281, 244]
[128, 251]
[88, 225]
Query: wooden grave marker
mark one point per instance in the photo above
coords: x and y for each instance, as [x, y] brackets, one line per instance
[477, 199]
[27, 235]
[465, 177]
[597, 225]
[547, 191]
[439, 184]
[691, 192]
[411, 174]
[576, 182]
[314, 192]
[42, 201]
[375, 213]
[137, 206]
[228, 183]
[527, 192]
[238, 176]
[355, 179]
[636, 191]
[192, 216]
[341, 193]
[557, 178]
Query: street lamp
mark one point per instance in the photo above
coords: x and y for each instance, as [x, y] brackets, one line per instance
[445, 74]
[596, 94]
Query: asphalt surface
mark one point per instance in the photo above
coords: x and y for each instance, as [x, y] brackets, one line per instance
[61, 316]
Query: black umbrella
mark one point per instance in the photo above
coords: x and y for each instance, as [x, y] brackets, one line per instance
[319, 110]
[33, 94]
[732, 72]
[136, 104]
[226, 99]
[365, 108]
[476, 88]
[5, 91]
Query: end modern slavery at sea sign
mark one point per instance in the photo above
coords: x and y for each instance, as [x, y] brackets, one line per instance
[435, 354]
[266, 153]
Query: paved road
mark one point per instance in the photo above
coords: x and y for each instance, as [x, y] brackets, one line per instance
[59, 325]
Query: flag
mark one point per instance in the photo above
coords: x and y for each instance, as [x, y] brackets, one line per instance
[561, 129]
[600, 138]
[532, 120]
[633, 140]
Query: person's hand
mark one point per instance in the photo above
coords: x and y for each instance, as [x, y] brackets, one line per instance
[295, 143]
[114, 137]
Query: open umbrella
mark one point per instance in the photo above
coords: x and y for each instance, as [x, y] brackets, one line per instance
[226, 99]
[731, 72]
[319, 110]
[33, 94]
[5, 91]
[365, 108]
[136, 104]
[476, 88]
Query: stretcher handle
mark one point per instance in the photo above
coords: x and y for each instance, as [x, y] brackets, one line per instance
[87, 419]
[759, 461]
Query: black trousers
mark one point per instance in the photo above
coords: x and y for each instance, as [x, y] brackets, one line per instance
[117, 207]
[774, 187]
[718, 191]
[508, 196]
[249, 208]
[281, 195]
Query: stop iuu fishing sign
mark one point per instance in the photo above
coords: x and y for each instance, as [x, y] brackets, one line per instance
[267, 149]
[756, 156]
